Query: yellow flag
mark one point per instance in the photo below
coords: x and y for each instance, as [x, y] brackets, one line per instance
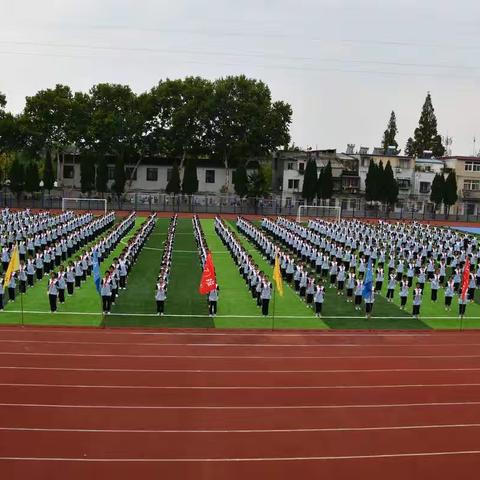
[277, 276]
[13, 266]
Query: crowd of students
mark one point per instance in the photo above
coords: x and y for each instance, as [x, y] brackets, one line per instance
[115, 276]
[256, 280]
[61, 236]
[164, 274]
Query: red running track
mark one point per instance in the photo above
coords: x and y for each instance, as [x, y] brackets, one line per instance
[107, 404]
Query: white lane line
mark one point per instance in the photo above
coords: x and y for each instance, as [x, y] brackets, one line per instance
[264, 430]
[312, 317]
[236, 460]
[201, 387]
[153, 370]
[240, 332]
[242, 407]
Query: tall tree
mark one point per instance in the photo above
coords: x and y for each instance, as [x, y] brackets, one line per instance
[426, 136]
[244, 121]
[32, 177]
[190, 179]
[410, 147]
[87, 173]
[48, 174]
[371, 182]
[101, 180]
[17, 176]
[310, 178]
[450, 194]
[390, 134]
[320, 185]
[391, 186]
[240, 180]
[173, 185]
[119, 177]
[437, 190]
[327, 181]
[381, 183]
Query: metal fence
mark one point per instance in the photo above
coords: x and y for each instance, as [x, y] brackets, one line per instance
[231, 204]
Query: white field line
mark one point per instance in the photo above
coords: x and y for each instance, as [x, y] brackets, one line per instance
[200, 387]
[311, 317]
[237, 460]
[241, 407]
[263, 430]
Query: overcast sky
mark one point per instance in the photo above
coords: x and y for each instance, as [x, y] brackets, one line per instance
[343, 65]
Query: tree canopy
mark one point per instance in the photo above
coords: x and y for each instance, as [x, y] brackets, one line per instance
[309, 189]
[390, 134]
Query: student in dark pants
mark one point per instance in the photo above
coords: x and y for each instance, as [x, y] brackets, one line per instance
[11, 287]
[70, 278]
[160, 297]
[106, 293]
[265, 295]
[1, 293]
[61, 284]
[22, 278]
[212, 301]
[53, 292]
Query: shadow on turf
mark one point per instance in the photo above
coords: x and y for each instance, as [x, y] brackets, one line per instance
[376, 323]
[159, 322]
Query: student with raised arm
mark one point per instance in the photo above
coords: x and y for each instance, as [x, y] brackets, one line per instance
[52, 291]
[449, 293]
[70, 278]
[106, 292]
[61, 284]
[403, 292]
[319, 298]
[265, 295]
[417, 301]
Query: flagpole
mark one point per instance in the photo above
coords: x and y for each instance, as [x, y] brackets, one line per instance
[273, 309]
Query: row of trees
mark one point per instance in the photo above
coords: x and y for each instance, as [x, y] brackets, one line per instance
[444, 190]
[228, 119]
[380, 184]
[317, 186]
[425, 136]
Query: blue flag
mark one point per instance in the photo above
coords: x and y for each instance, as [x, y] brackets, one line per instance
[368, 281]
[96, 270]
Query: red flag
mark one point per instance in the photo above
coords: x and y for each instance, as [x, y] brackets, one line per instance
[465, 278]
[208, 281]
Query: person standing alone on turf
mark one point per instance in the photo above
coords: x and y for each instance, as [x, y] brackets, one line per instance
[212, 301]
[319, 298]
[106, 292]
[52, 291]
[265, 295]
[417, 301]
[161, 296]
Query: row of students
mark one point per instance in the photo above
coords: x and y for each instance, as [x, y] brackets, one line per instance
[111, 281]
[256, 280]
[164, 274]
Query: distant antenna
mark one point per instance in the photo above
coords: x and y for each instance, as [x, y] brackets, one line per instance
[474, 145]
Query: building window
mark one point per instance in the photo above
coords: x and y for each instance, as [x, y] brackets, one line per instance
[301, 167]
[152, 174]
[68, 171]
[424, 187]
[290, 165]
[293, 184]
[404, 163]
[403, 183]
[169, 174]
[471, 185]
[472, 166]
[131, 173]
[209, 176]
[111, 172]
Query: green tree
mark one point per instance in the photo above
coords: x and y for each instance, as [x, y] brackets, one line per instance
[391, 186]
[244, 121]
[327, 181]
[390, 133]
[119, 177]
[426, 135]
[410, 147]
[380, 182]
[310, 179]
[450, 194]
[32, 177]
[173, 185]
[48, 175]
[240, 180]
[17, 176]
[101, 180]
[371, 182]
[437, 190]
[87, 173]
[320, 185]
[190, 179]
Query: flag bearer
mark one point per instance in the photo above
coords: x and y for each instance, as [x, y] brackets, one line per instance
[30, 271]
[212, 301]
[22, 278]
[369, 299]
[105, 292]
[1, 293]
[161, 296]
[11, 287]
[462, 306]
[449, 292]
[265, 295]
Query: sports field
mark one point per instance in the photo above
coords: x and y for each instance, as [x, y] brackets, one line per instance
[185, 307]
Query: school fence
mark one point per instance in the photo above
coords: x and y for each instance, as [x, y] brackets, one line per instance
[232, 204]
